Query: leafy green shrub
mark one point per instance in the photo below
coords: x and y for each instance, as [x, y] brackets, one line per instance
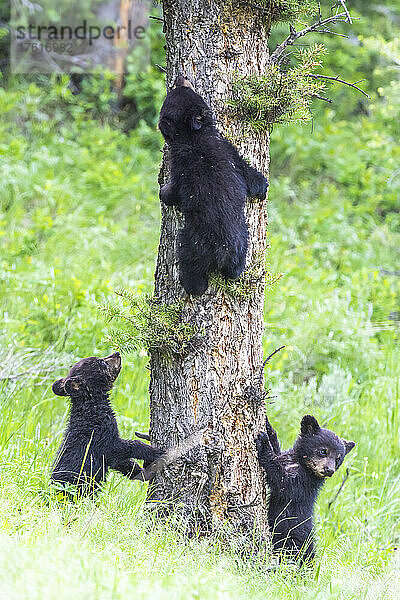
[97, 96]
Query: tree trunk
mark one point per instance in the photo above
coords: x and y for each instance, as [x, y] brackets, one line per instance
[214, 390]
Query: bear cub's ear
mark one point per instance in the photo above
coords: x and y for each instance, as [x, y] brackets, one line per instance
[196, 122]
[348, 445]
[73, 385]
[69, 386]
[309, 425]
[58, 388]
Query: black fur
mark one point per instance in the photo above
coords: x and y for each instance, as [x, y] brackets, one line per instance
[209, 185]
[91, 443]
[295, 478]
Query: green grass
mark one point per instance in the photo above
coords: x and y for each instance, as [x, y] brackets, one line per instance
[79, 217]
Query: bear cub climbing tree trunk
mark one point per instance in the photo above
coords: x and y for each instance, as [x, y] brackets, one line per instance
[211, 396]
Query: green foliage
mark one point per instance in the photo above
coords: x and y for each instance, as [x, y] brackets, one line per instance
[4, 38]
[51, 98]
[144, 89]
[149, 325]
[70, 188]
[245, 286]
[278, 96]
[97, 97]
[355, 59]
[289, 10]
[340, 186]
[79, 215]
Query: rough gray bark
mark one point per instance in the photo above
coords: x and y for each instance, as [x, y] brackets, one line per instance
[211, 389]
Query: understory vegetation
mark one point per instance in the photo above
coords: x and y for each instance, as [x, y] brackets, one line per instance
[79, 218]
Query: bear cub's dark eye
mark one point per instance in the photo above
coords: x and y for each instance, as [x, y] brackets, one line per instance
[322, 452]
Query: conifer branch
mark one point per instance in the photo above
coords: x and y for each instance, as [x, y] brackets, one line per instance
[322, 98]
[317, 27]
[343, 4]
[353, 85]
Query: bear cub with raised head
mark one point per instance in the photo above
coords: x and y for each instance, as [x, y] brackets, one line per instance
[209, 184]
[91, 444]
[295, 477]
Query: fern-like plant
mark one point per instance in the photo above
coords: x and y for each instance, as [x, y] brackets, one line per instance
[279, 95]
[145, 323]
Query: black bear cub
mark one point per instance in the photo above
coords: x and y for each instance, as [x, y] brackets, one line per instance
[91, 443]
[209, 184]
[295, 477]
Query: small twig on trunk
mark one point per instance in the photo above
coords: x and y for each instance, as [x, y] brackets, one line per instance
[322, 98]
[345, 478]
[353, 85]
[295, 35]
[266, 360]
[271, 355]
[156, 18]
[162, 69]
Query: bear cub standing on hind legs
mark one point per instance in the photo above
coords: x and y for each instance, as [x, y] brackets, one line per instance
[91, 443]
[295, 477]
[209, 184]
